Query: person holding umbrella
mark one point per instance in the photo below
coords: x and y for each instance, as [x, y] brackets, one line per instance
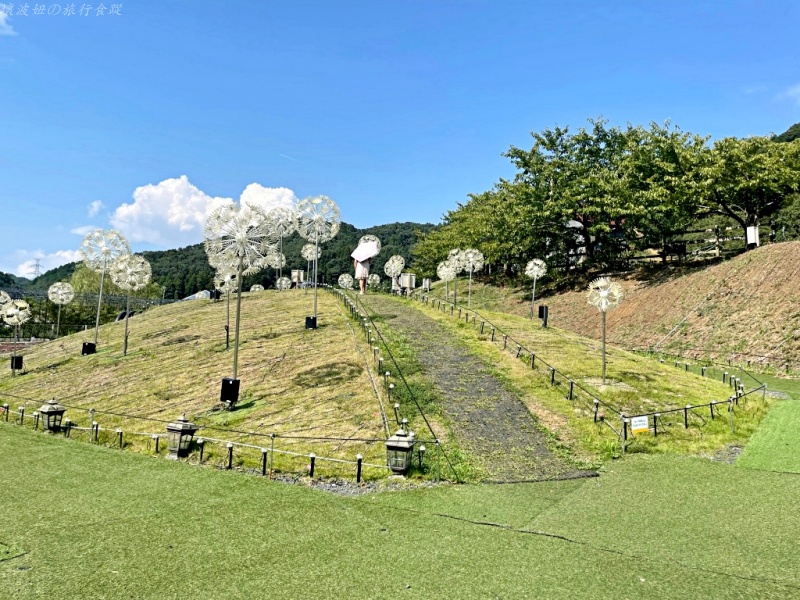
[368, 247]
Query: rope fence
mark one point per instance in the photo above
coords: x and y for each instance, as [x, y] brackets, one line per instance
[575, 392]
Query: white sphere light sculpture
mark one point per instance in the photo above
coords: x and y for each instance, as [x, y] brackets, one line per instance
[536, 268]
[257, 287]
[283, 283]
[346, 281]
[130, 272]
[373, 280]
[16, 312]
[281, 219]
[604, 294]
[317, 219]
[310, 252]
[394, 266]
[61, 293]
[102, 247]
[445, 271]
[4, 298]
[473, 261]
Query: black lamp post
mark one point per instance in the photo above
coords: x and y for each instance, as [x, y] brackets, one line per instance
[179, 437]
[52, 412]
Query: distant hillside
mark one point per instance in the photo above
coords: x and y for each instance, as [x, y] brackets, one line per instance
[185, 271]
[790, 134]
[747, 307]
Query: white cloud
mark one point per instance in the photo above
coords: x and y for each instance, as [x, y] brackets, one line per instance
[792, 93]
[170, 214]
[5, 26]
[27, 266]
[268, 198]
[94, 208]
[82, 230]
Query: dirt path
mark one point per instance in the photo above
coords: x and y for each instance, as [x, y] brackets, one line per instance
[490, 423]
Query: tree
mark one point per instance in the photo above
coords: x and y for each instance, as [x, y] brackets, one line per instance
[660, 173]
[748, 179]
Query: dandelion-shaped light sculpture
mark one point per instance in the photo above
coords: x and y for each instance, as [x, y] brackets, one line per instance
[281, 220]
[60, 293]
[257, 287]
[346, 281]
[456, 259]
[473, 261]
[4, 298]
[311, 253]
[317, 220]
[241, 236]
[99, 249]
[604, 294]
[130, 272]
[283, 283]
[15, 312]
[393, 267]
[373, 281]
[445, 272]
[535, 269]
[225, 282]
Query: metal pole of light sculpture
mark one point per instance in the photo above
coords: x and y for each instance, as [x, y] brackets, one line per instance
[456, 259]
[239, 235]
[281, 219]
[98, 250]
[473, 261]
[224, 282]
[15, 312]
[604, 294]
[535, 269]
[131, 273]
[60, 293]
[310, 253]
[317, 219]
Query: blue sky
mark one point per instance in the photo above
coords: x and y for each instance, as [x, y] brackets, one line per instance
[146, 119]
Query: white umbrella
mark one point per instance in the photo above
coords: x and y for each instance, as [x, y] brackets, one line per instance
[365, 250]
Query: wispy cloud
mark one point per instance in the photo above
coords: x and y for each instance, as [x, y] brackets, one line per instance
[5, 26]
[94, 208]
[26, 267]
[792, 93]
[83, 230]
[287, 157]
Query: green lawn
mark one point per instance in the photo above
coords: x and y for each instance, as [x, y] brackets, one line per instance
[775, 445]
[97, 522]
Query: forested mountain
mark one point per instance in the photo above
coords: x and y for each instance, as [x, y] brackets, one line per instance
[790, 134]
[184, 271]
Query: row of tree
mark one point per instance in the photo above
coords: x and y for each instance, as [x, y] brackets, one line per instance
[602, 192]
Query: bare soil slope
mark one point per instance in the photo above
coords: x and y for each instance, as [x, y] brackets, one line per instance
[746, 308]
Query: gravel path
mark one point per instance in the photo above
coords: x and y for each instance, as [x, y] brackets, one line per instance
[490, 423]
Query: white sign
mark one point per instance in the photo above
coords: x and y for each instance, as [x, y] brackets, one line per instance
[640, 425]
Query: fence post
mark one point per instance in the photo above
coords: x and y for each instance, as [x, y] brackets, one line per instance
[492, 338]
[35, 420]
[21, 415]
[313, 459]
[702, 371]
[725, 377]
[482, 324]
[596, 403]
[711, 407]
[67, 427]
[230, 455]
[686, 416]
[438, 460]
[730, 413]
[519, 349]
[119, 436]
[552, 375]
[655, 424]
[5, 410]
[155, 439]
[271, 453]
[359, 459]
[571, 385]
[533, 360]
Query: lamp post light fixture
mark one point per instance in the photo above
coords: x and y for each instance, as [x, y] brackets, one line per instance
[604, 294]
[179, 437]
[52, 412]
[399, 449]
[535, 269]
